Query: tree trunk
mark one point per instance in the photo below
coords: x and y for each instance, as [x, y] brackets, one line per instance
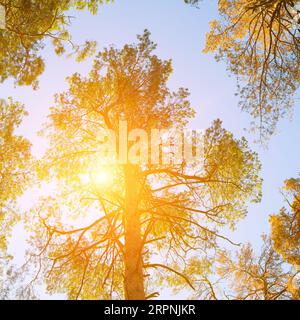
[134, 278]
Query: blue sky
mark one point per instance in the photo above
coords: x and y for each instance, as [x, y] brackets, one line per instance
[179, 30]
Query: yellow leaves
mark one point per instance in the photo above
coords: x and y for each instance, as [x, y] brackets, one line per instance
[292, 185]
[213, 39]
[28, 28]
[223, 264]
[15, 165]
[16, 150]
[87, 50]
[131, 83]
[286, 241]
[285, 226]
[262, 277]
[256, 41]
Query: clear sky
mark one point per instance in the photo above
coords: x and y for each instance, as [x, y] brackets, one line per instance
[179, 30]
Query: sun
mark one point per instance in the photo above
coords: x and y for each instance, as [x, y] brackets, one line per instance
[100, 177]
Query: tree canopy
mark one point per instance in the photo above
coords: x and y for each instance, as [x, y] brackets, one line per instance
[15, 165]
[28, 25]
[273, 274]
[251, 277]
[15, 175]
[145, 220]
[133, 201]
[259, 40]
[285, 230]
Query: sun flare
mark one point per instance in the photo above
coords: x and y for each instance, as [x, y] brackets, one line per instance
[100, 177]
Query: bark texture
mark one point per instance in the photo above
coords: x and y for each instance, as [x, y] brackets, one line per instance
[134, 277]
